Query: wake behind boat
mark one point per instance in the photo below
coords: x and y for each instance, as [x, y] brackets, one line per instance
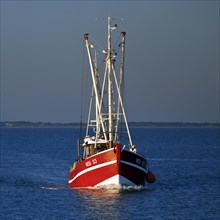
[102, 159]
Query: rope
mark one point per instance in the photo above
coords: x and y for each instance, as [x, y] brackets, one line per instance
[117, 42]
[100, 46]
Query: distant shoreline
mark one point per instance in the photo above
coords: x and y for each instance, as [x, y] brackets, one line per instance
[27, 124]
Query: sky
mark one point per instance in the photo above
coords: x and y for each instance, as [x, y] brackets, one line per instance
[171, 61]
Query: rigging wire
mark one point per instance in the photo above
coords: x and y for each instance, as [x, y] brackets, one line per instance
[100, 46]
[116, 43]
[100, 51]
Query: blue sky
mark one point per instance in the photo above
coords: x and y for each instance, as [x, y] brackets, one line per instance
[171, 63]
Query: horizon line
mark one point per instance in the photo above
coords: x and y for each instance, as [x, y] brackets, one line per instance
[155, 122]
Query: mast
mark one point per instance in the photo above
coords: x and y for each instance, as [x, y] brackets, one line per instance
[121, 77]
[110, 129]
[122, 61]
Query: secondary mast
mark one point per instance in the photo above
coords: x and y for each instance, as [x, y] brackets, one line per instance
[121, 80]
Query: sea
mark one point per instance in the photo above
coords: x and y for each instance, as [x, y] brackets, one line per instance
[35, 167]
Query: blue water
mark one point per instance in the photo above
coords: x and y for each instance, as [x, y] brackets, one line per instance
[35, 165]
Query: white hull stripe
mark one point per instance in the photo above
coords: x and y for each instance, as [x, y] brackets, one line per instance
[92, 168]
[133, 165]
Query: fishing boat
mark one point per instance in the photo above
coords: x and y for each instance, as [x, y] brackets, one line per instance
[106, 154]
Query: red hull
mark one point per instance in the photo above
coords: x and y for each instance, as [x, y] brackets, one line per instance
[112, 166]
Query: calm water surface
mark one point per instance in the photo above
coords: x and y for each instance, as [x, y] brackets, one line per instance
[35, 165]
